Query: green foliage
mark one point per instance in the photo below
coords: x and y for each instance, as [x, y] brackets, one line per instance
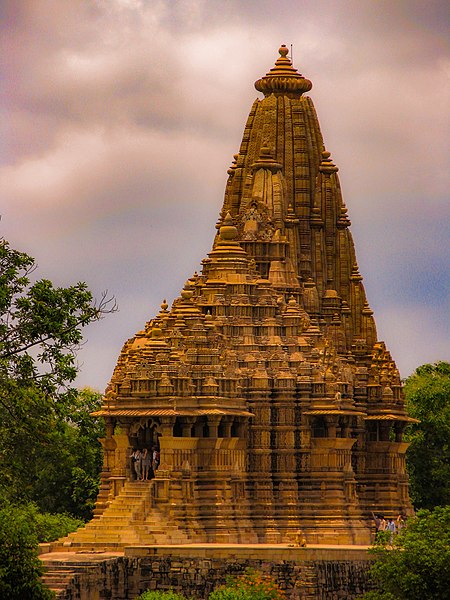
[66, 472]
[20, 568]
[417, 565]
[40, 326]
[378, 596]
[428, 399]
[250, 586]
[52, 527]
[154, 595]
[48, 443]
[59, 468]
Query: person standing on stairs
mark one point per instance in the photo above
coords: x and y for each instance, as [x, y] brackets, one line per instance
[156, 459]
[146, 464]
[136, 462]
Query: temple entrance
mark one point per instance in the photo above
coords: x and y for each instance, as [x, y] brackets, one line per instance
[145, 434]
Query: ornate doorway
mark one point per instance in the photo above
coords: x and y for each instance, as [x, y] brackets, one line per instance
[145, 434]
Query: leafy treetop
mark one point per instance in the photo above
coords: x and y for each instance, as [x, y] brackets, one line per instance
[427, 393]
[40, 325]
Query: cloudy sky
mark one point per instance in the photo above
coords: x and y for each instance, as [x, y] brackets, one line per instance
[121, 118]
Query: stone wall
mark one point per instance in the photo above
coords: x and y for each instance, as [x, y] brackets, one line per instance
[304, 573]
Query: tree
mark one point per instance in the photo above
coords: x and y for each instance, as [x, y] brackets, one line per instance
[66, 471]
[40, 331]
[40, 326]
[417, 564]
[428, 399]
[20, 567]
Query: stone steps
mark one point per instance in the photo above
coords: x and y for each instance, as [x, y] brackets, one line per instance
[156, 527]
[114, 527]
[129, 519]
[110, 519]
[57, 577]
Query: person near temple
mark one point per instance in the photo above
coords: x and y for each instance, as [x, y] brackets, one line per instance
[383, 524]
[300, 540]
[390, 526]
[377, 521]
[146, 464]
[399, 522]
[136, 462]
[156, 458]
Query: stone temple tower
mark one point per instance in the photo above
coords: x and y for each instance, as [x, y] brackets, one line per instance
[264, 387]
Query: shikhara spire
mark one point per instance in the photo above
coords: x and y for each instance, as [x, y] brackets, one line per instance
[264, 387]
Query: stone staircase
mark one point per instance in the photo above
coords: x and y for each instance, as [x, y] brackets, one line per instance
[58, 576]
[130, 519]
[156, 529]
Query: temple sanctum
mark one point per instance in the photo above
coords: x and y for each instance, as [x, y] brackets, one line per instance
[264, 388]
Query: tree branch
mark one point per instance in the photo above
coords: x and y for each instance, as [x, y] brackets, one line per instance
[96, 314]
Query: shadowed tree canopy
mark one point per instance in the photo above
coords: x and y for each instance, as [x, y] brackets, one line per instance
[428, 399]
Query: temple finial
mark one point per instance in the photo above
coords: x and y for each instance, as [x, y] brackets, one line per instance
[283, 78]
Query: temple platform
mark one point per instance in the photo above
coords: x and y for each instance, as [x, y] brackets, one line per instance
[196, 569]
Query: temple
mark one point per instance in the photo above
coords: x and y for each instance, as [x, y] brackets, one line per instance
[264, 387]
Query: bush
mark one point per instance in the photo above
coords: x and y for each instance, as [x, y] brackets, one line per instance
[51, 527]
[250, 586]
[153, 595]
[20, 567]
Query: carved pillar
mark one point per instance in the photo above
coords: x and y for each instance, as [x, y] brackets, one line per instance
[167, 424]
[198, 428]
[332, 423]
[186, 426]
[109, 446]
[213, 424]
[385, 477]
[166, 442]
[226, 426]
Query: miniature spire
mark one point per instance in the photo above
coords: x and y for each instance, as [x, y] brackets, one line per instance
[355, 276]
[327, 165]
[233, 166]
[228, 232]
[266, 160]
[343, 220]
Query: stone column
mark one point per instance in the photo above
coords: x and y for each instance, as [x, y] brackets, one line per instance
[166, 442]
[186, 426]
[213, 424]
